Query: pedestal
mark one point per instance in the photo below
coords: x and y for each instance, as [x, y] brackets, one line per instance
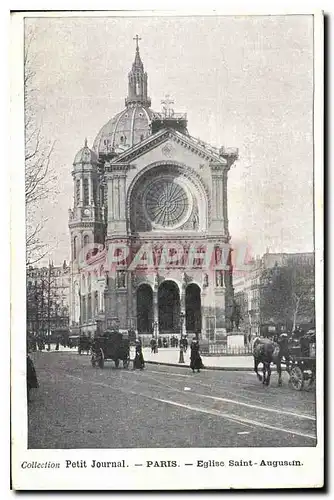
[235, 340]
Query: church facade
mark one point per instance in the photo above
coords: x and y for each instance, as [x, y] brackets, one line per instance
[149, 225]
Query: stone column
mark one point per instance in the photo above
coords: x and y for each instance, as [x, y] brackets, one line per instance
[156, 311]
[110, 200]
[219, 222]
[116, 175]
[217, 193]
[224, 194]
[93, 303]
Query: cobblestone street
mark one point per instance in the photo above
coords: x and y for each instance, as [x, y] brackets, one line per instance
[78, 406]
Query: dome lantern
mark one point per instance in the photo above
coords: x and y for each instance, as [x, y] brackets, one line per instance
[85, 155]
[137, 87]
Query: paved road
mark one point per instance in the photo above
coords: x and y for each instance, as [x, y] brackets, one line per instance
[78, 406]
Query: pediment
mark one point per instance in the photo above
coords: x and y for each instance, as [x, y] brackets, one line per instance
[172, 140]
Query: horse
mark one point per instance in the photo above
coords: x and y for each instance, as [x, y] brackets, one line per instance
[266, 351]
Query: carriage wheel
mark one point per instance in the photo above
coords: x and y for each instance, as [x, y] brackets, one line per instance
[310, 381]
[117, 363]
[296, 378]
[101, 359]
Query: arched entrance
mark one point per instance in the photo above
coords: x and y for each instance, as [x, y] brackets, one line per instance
[169, 307]
[193, 309]
[144, 309]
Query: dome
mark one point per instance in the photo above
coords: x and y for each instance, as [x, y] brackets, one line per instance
[127, 128]
[85, 155]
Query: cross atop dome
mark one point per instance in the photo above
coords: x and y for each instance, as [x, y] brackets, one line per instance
[137, 38]
[167, 110]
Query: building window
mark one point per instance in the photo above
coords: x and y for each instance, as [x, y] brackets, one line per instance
[94, 193]
[96, 303]
[85, 192]
[86, 240]
[75, 247]
[89, 307]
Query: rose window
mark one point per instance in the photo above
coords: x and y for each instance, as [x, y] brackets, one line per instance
[166, 202]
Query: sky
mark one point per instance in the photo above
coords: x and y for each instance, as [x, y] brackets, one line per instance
[244, 81]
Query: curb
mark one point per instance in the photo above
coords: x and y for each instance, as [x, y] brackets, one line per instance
[221, 368]
[186, 365]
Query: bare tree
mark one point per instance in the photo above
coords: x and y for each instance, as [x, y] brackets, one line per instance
[39, 176]
[288, 294]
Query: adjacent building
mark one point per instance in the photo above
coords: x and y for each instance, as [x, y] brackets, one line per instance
[48, 296]
[277, 289]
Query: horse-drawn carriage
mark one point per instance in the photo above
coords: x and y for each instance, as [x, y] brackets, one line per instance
[111, 346]
[84, 344]
[301, 365]
[297, 353]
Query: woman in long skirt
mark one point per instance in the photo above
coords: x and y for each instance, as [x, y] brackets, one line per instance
[195, 358]
[138, 362]
[32, 382]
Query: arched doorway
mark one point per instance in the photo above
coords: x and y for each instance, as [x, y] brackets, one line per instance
[169, 307]
[193, 309]
[144, 309]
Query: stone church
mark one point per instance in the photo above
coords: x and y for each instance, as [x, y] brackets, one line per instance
[149, 225]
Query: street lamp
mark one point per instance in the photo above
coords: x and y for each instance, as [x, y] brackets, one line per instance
[155, 335]
[182, 323]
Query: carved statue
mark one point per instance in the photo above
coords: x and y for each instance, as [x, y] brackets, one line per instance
[195, 220]
[235, 316]
[121, 279]
[219, 279]
[206, 280]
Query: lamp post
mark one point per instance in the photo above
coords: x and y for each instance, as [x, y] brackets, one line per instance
[182, 320]
[155, 335]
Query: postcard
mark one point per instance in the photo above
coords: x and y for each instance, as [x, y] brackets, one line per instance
[167, 250]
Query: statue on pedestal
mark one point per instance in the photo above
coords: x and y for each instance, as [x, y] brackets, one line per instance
[235, 316]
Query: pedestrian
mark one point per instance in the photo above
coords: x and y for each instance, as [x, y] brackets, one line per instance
[32, 382]
[138, 362]
[195, 358]
[153, 344]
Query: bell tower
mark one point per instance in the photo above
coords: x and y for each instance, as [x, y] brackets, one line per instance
[86, 220]
[137, 87]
